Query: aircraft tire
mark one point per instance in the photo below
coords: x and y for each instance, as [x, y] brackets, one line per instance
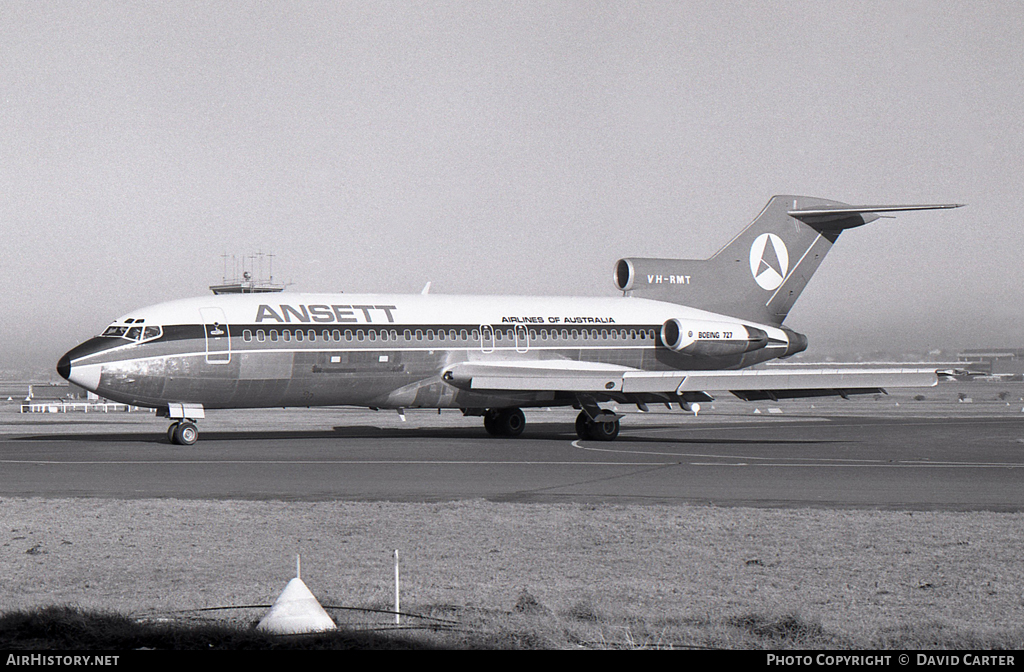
[583, 426]
[598, 431]
[491, 423]
[170, 432]
[186, 433]
[604, 431]
[510, 422]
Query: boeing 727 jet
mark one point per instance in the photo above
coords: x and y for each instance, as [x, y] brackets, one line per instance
[682, 330]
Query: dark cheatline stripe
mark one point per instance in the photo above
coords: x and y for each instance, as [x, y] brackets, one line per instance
[181, 332]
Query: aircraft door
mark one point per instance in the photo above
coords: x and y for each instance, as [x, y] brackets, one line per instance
[522, 338]
[218, 336]
[486, 338]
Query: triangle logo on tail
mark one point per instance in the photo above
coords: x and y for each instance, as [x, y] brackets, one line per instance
[769, 263]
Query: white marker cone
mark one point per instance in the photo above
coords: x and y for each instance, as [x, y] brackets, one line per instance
[296, 611]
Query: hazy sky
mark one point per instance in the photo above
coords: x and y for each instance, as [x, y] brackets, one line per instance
[506, 148]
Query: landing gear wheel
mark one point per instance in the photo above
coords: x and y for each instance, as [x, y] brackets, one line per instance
[598, 431]
[505, 422]
[604, 431]
[170, 432]
[583, 426]
[511, 421]
[185, 433]
[491, 423]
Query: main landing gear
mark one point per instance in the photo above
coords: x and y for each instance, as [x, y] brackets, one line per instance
[504, 421]
[605, 428]
[511, 422]
[183, 433]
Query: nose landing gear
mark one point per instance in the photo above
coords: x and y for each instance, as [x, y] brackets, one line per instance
[183, 433]
[183, 430]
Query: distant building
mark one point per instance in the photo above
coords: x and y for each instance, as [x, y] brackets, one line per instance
[67, 398]
[993, 361]
[53, 391]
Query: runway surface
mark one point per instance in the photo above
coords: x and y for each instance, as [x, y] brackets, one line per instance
[951, 463]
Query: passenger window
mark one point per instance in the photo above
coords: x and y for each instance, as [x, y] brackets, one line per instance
[273, 335]
[260, 336]
[247, 336]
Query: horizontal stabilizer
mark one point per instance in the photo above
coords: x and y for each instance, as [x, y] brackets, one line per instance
[829, 214]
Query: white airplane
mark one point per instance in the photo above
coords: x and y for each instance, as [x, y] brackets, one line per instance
[681, 330]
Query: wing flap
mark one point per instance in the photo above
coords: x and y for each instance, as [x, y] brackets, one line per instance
[565, 376]
[827, 379]
[540, 376]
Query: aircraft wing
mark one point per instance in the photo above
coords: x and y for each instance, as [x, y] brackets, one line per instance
[750, 384]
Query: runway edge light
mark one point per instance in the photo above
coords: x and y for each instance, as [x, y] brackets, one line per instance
[296, 612]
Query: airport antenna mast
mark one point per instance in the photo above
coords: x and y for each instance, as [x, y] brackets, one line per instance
[251, 280]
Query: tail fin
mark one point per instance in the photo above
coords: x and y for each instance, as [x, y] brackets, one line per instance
[760, 273]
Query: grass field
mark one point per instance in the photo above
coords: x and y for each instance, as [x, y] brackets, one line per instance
[538, 575]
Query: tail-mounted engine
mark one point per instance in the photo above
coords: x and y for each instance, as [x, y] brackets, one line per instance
[712, 339]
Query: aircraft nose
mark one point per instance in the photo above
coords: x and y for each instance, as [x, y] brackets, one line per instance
[83, 374]
[64, 367]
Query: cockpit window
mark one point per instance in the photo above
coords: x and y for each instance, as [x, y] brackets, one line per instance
[136, 333]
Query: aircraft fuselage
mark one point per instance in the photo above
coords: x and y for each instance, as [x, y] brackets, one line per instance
[389, 351]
